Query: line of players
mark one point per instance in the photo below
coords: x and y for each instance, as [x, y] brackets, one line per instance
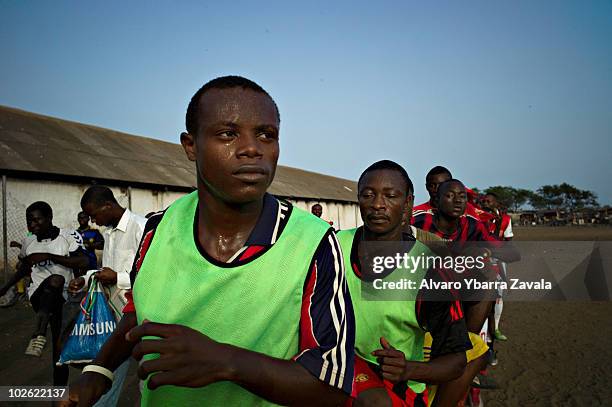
[245, 256]
[456, 213]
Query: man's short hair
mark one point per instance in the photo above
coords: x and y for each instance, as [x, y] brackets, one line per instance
[493, 194]
[447, 182]
[224, 82]
[41, 206]
[389, 165]
[438, 169]
[98, 195]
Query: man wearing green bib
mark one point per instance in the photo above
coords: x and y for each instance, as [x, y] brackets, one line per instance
[238, 298]
[389, 365]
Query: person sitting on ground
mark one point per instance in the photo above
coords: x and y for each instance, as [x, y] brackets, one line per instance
[48, 256]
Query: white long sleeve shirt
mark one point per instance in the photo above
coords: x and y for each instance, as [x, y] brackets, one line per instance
[120, 247]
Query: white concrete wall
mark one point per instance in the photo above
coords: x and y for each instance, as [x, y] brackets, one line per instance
[65, 200]
[344, 215]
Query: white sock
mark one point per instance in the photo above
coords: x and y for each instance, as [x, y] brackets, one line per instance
[499, 306]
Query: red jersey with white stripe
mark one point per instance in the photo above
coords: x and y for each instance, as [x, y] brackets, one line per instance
[504, 231]
[471, 210]
[468, 229]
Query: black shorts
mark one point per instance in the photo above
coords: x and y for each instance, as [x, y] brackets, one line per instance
[37, 294]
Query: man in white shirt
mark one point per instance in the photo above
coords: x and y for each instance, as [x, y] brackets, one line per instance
[121, 241]
[49, 256]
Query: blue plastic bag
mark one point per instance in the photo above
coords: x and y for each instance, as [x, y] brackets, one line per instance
[93, 327]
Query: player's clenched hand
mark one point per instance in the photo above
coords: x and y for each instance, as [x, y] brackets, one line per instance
[86, 390]
[107, 276]
[186, 357]
[392, 362]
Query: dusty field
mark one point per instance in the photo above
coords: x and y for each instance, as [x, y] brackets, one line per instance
[558, 354]
[567, 233]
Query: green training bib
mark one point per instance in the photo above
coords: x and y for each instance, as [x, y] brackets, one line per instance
[254, 306]
[393, 319]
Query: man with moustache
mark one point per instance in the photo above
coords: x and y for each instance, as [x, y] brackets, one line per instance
[389, 365]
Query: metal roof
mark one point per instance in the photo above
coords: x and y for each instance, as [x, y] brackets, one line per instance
[33, 144]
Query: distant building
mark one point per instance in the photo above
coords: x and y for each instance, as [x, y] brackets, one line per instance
[55, 160]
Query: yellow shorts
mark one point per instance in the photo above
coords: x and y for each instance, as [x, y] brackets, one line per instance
[479, 348]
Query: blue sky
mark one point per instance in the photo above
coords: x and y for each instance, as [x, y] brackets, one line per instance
[502, 93]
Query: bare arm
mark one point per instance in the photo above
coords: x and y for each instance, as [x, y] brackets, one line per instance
[117, 349]
[396, 368]
[282, 381]
[204, 361]
[76, 260]
[476, 314]
[438, 370]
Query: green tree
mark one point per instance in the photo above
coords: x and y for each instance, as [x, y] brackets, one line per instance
[551, 195]
[510, 197]
[564, 196]
[537, 201]
[521, 197]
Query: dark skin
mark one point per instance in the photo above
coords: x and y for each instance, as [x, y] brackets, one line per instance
[83, 220]
[385, 203]
[106, 214]
[451, 203]
[451, 392]
[42, 226]
[432, 183]
[452, 200]
[491, 205]
[317, 210]
[235, 151]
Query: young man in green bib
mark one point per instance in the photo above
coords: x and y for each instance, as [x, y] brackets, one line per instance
[390, 329]
[238, 298]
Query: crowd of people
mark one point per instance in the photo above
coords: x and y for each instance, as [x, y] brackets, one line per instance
[232, 296]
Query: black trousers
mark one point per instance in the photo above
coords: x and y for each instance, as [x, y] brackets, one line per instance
[47, 302]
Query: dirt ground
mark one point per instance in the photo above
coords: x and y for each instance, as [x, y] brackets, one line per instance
[566, 233]
[558, 353]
